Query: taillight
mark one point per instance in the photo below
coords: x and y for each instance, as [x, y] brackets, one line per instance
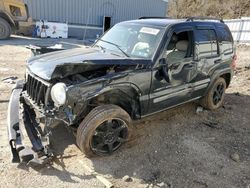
[233, 65]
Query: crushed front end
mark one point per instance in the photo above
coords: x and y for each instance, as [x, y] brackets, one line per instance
[31, 100]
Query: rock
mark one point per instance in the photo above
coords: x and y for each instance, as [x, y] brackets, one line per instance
[162, 184]
[199, 109]
[150, 186]
[235, 157]
[127, 179]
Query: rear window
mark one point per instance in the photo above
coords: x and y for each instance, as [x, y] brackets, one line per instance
[225, 40]
[206, 40]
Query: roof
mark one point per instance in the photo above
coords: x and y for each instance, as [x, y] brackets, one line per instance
[163, 22]
[160, 22]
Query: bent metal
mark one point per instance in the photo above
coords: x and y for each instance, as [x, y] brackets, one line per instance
[136, 69]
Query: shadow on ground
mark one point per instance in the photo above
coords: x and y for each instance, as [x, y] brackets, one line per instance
[178, 147]
[181, 147]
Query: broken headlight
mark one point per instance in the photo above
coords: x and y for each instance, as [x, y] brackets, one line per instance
[58, 94]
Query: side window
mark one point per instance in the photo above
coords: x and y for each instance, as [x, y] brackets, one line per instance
[206, 43]
[180, 47]
[226, 40]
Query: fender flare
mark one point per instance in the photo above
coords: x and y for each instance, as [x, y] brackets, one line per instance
[125, 89]
[218, 74]
[113, 87]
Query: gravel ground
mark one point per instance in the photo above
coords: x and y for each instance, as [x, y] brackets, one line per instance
[175, 148]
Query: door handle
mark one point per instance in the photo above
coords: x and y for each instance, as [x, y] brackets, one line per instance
[191, 65]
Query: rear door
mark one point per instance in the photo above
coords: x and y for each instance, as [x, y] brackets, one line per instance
[207, 57]
[226, 43]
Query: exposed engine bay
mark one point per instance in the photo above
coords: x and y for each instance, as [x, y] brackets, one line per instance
[96, 71]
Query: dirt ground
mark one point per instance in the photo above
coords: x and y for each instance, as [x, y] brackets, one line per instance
[175, 148]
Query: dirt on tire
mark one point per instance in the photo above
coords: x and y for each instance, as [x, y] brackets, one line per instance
[207, 101]
[95, 118]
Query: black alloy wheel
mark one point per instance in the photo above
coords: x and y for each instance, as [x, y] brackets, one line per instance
[104, 130]
[215, 96]
[218, 93]
[109, 136]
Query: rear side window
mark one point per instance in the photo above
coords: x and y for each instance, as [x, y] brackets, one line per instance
[206, 41]
[225, 40]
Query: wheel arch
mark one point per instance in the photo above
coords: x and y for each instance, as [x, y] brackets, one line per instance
[227, 77]
[226, 74]
[8, 18]
[124, 96]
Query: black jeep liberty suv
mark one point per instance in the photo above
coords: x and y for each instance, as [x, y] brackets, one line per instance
[136, 69]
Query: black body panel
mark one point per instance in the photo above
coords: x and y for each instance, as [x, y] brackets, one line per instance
[141, 86]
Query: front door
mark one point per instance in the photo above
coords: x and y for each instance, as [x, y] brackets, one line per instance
[174, 73]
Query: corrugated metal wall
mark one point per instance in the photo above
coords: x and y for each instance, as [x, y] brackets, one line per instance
[240, 29]
[91, 12]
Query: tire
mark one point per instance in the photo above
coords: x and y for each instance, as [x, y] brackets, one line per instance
[5, 29]
[100, 130]
[212, 100]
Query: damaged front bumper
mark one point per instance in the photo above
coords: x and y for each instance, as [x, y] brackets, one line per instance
[39, 153]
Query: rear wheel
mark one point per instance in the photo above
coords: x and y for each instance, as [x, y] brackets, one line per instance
[5, 29]
[103, 131]
[215, 96]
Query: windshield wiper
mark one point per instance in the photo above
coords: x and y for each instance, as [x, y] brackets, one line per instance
[117, 46]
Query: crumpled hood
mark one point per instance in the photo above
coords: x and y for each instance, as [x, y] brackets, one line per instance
[44, 66]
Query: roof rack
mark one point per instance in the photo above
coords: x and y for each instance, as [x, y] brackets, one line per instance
[191, 19]
[154, 17]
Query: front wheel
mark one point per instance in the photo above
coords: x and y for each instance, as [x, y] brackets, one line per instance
[215, 96]
[103, 131]
[5, 29]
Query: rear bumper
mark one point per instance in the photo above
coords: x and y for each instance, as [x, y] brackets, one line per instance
[18, 150]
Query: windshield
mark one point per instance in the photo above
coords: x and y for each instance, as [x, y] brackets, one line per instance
[132, 40]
